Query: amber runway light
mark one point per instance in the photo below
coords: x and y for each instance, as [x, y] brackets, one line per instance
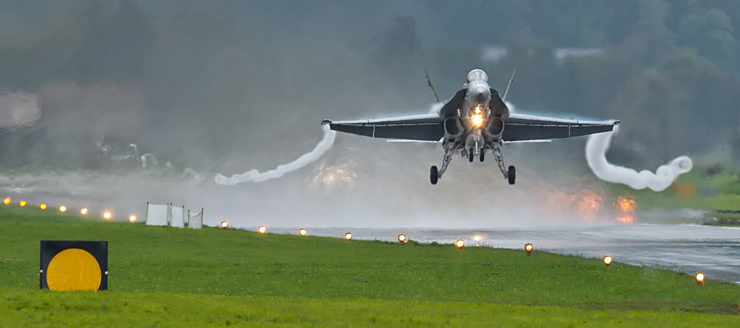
[132, 218]
[401, 238]
[607, 260]
[302, 232]
[224, 224]
[528, 248]
[23, 203]
[107, 215]
[6, 201]
[262, 229]
[460, 243]
[42, 206]
[83, 211]
[62, 208]
[699, 276]
[348, 236]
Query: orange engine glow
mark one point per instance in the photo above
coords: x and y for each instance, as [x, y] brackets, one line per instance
[477, 120]
[627, 206]
[585, 203]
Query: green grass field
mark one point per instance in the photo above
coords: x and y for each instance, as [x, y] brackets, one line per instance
[163, 276]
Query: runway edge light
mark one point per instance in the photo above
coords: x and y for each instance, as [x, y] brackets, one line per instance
[699, 276]
[262, 229]
[460, 243]
[348, 236]
[528, 248]
[224, 224]
[402, 238]
[607, 260]
[302, 232]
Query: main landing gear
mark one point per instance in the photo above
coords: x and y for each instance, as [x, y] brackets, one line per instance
[450, 146]
[509, 174]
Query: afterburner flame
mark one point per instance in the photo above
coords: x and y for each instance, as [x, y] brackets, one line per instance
[477, 120]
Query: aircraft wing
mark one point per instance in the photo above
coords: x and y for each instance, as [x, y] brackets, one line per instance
[427, 127]
[520, 127]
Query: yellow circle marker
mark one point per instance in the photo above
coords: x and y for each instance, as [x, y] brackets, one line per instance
[7, 200]
[43, 206]
[132, 218]
[348, 236]
[23, 203]
[62, 208]
[83, 211]
[73, 269]
[262, 229]
[302, 232]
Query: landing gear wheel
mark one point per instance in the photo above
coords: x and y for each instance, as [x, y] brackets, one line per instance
[471, 155]
[512, 174]
[433, 175]
[482, 155]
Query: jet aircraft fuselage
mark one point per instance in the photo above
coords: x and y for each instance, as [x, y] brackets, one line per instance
[474, 120]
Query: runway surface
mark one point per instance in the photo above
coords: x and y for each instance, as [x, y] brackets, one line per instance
[681, 247]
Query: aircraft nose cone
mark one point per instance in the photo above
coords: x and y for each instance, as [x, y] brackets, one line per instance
[480, 94]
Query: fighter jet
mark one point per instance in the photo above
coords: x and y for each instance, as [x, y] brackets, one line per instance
[474, 121]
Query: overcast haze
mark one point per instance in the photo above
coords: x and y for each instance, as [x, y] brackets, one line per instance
[229, 86]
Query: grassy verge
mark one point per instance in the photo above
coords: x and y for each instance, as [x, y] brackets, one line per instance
[53, 309]
[315, 277]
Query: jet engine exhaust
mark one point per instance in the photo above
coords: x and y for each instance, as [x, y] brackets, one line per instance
[305, 159]
[596, 148]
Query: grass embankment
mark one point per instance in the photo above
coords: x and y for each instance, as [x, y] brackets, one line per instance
[162, 275]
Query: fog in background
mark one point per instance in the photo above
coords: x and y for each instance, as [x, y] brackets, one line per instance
[88, 88]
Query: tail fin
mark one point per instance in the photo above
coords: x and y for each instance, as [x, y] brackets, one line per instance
[436, 99]
[507, 87]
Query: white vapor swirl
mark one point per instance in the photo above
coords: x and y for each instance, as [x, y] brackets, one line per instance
[305, 159]
[663, 177]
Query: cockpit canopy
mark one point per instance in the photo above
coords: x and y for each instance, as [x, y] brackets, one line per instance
[477, 75]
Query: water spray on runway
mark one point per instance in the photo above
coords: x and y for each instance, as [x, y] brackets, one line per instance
[663, 177]
[305, 159]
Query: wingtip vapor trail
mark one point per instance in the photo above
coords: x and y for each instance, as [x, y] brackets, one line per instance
[305, 159]
[663, 177]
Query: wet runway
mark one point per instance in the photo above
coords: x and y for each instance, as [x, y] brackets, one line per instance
[687, 248]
